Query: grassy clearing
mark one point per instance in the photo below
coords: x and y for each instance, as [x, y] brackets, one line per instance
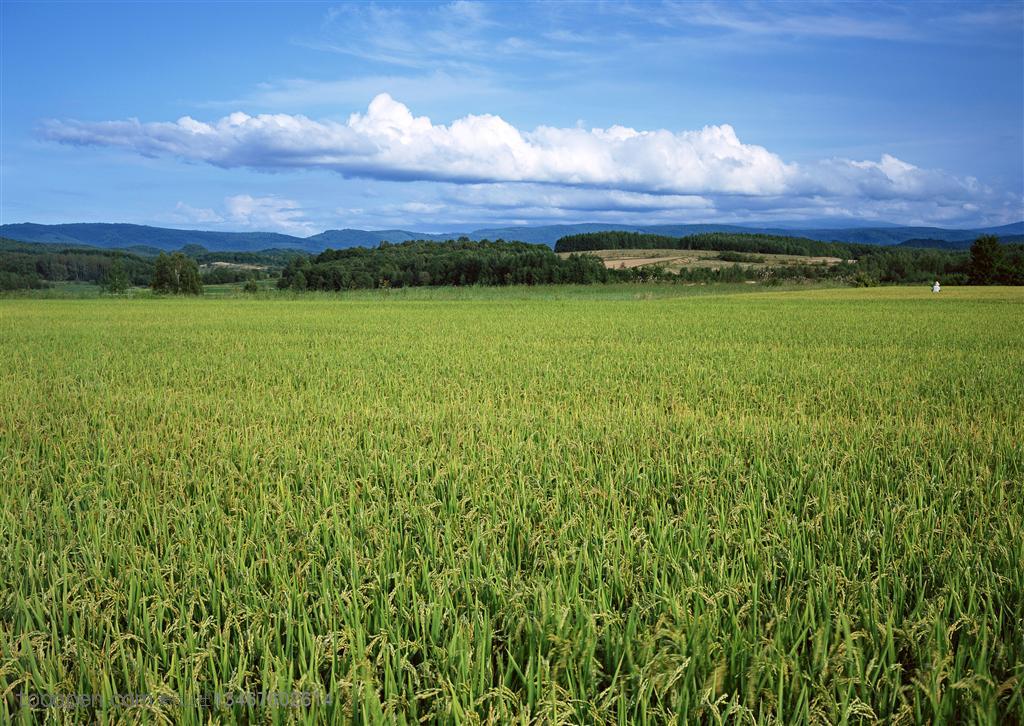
[501, 505]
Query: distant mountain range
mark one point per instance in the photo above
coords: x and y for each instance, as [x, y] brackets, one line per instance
[162, 238]
[137, 235]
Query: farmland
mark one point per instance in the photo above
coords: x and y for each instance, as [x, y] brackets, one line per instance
[676, 260]
[626, 504]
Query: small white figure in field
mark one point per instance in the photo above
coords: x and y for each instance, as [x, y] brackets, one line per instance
[936, 287]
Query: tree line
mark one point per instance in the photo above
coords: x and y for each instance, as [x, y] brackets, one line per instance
[463, 262]
[427, 263]
[720, 241]
[23, 267]
[988, 262]
[31, 265]
[992, 263]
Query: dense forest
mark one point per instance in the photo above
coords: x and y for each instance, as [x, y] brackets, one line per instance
[34, 265]
[421, 263]
[25, 265]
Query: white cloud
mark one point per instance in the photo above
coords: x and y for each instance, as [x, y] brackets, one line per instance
[269, 213]
[792, 20]
[388, 142]
[449, 35]
[185, 213]
[244, 211]
[421, 207]
[455, 207]
[581, 202]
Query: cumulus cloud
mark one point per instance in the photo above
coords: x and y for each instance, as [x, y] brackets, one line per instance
[389, 142]
[634, 169]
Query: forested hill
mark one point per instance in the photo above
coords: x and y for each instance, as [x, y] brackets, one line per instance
[160, 238]
[422, 263]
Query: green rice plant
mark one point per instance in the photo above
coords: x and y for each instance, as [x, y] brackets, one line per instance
[632, 504]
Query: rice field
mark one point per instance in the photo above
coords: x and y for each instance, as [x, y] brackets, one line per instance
[605, 505]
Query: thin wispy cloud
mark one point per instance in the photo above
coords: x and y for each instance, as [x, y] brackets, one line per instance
[543, 204]
[449, 36]
[459, 38]
[699, 31]
[792, 19]
[471, 206]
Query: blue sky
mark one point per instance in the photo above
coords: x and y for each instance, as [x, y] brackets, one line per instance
[436, 117]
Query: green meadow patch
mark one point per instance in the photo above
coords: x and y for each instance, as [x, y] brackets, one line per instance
[616, 504]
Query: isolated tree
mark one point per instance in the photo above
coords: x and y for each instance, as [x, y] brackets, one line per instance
[162, 282]
[116, 279]
[986, 256]
[176, 275]
[189, 282]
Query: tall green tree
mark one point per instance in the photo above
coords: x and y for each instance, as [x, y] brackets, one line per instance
[176, 274]
[116, 280]
[163, 279]
[986, 256]
[189, 282]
